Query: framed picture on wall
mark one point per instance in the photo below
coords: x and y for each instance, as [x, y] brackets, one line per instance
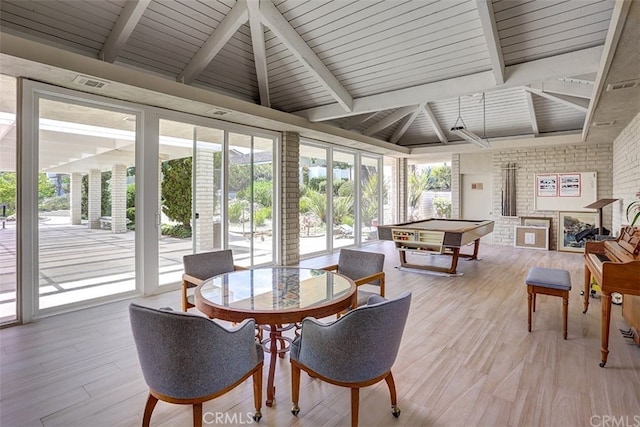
[533, 221]
[575, 229]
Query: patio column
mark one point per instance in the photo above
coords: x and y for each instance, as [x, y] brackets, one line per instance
[204, 200]
[95, 198]
[290, 198]
[403, 189]
[119, 199]
[75, 198]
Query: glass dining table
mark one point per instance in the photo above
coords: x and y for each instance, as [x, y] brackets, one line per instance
[277, 298]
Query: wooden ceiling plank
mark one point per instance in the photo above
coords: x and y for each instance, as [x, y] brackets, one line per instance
[259, 51]
[442, 136]
[390, 119]
[618, 18]
[237, 16]
[124, 26]
[568, 64]
[290, 38]
[488, 22]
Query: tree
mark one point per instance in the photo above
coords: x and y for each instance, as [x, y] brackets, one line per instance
[176, 190]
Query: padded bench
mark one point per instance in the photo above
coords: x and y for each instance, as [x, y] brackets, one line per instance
[548, 281]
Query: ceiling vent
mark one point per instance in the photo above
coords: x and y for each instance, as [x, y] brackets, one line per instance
[603, 124]
[90, 82]
[623, 85]
[218, 112]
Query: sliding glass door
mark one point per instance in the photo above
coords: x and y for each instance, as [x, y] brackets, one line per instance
[86, 247]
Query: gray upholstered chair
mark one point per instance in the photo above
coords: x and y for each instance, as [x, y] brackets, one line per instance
[357, 350]
[363, 268]
[202, 266]
[189, 359]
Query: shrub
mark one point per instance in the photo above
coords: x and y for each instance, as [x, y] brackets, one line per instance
[179, 231]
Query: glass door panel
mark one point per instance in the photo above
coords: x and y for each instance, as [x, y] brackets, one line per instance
[250, 199]
[188, 181]
[313, 199]
[86, 245]
[370, 198]
[8, 191]
[343, 198]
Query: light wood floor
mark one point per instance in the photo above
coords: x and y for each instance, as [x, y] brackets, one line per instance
[466, 359]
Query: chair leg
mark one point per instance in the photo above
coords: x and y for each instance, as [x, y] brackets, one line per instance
[148, 409]
[295, 388]
[355, 405]
[565, 310]
[394, 397]
[529, 305]
[257, 393]
[184, 297]
[197, 415]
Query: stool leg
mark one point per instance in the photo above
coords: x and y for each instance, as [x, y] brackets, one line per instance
[534, 302]
[529, 305]
[565, 310]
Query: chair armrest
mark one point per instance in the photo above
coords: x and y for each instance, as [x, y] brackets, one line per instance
[190, 280]
[371, 278]
[239, 267]
[333, 267]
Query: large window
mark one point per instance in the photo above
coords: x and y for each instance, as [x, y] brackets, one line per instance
[429, 191]
[341, 198]
[313, 199]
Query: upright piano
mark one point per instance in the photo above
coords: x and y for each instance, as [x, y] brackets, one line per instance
[615, 266]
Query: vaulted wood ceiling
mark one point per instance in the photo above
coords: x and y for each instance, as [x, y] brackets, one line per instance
[398, 71]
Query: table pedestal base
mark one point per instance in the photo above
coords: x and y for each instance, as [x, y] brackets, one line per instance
[276, 345]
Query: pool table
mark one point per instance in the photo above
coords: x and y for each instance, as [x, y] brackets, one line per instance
[442, 236]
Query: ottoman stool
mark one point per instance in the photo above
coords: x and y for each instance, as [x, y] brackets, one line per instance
[548, 281]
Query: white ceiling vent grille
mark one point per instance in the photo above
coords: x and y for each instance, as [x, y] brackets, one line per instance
[603, 124]
[90, 82]
[623, 85]
[218, 112]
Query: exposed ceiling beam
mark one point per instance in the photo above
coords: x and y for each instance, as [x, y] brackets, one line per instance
[568, 64]
[406, 122]
[532, 113]
[618, 18]
[272, 18]
[236, 17]
[389, 120]
[259, 51]
[568, 87]
[560, 99]
[436, 125]
[354, 121]
[124, 26]
[490, 30]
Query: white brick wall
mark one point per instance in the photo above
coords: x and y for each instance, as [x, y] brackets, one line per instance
[572, 158]
[626, 170]
[290, 198]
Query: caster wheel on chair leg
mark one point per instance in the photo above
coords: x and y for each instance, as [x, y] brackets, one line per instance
[257, 416]
[395, 411]
[295, 410]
